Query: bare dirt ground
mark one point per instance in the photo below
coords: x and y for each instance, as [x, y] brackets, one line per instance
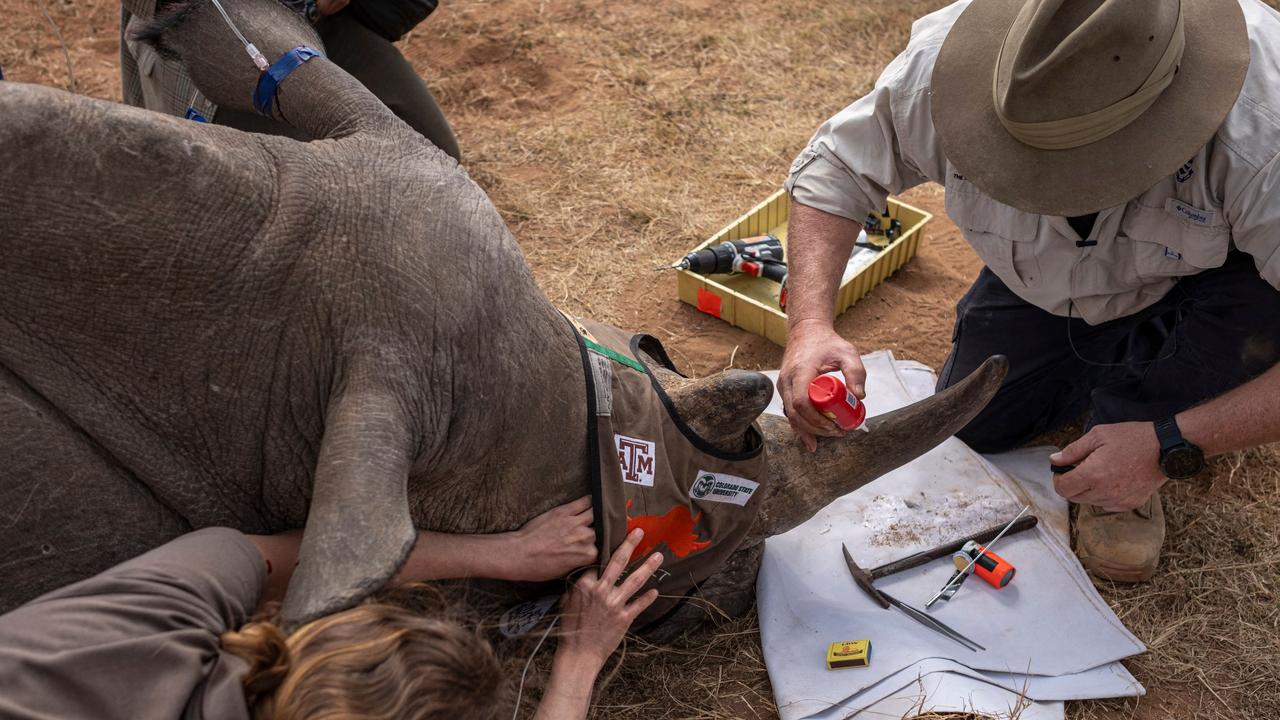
[614, 136]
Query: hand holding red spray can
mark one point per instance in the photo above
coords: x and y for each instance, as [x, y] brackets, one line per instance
[831, 398]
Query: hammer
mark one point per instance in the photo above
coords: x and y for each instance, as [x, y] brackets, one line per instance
[863, 579]
[981, 537]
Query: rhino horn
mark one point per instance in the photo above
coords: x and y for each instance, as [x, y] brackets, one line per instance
[801, 482]
[720, 408]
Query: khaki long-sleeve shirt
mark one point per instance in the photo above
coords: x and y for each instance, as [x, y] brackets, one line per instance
[1227, 195]
[149, 80]
[139, 641]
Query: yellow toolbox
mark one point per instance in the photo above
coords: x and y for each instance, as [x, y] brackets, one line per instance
[751, 303]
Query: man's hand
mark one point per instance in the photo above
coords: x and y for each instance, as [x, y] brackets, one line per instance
[597, 611]
[1117, 466]
[552, 544]
[812, 349]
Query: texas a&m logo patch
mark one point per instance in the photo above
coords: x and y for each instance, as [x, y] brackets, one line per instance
[636, 458]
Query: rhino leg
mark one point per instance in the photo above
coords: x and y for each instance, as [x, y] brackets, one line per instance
[67, 509]
[358, 526]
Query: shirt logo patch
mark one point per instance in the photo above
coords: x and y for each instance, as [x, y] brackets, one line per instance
[1184, 173]
[719, 487]
[1171, 253]
[635, 456]
[1193, 215]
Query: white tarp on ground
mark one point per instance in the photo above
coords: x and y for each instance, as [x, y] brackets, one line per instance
[1049, 636]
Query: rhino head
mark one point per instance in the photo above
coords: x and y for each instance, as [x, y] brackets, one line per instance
[721, 407]
[800, 483]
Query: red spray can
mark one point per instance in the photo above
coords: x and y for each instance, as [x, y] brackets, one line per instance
[830, 396]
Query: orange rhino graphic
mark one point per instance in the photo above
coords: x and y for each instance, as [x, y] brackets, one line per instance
[676, 530]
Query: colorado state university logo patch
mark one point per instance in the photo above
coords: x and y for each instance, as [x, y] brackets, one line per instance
[722, 487]
[636, 458]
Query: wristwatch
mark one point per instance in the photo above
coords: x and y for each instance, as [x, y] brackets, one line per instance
[1179, 459]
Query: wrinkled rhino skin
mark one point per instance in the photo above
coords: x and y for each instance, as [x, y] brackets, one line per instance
[205, 327]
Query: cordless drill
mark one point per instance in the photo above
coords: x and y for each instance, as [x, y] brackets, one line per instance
[758, 257]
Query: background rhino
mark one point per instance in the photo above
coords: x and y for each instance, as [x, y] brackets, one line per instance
[205, 327]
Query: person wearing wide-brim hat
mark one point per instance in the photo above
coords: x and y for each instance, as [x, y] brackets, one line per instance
[1114, 164]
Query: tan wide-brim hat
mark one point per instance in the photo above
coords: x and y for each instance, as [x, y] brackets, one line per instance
[1103, 173]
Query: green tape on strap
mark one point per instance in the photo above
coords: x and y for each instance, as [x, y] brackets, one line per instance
[613, 354]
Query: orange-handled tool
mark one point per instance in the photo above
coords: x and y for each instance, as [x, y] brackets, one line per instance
[990, 567]
[963, 572]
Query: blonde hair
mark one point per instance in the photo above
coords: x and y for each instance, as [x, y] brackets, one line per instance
[378, 661]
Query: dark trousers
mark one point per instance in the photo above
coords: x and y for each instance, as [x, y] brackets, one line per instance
[374, 61]
[1211, 333]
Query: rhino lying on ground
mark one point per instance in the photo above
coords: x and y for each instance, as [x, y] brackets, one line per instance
[205, 327]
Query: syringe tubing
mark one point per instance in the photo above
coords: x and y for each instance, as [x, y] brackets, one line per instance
[259, 60]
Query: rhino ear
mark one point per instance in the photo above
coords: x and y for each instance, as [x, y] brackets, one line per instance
[318, 97]
[195, 32]
[359, 530]
[720, 408]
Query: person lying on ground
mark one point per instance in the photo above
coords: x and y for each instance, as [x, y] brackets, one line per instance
[357, 37]
[168, 634]
[1114, 165]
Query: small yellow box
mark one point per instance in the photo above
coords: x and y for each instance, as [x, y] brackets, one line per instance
[849, 653]
[752, 303]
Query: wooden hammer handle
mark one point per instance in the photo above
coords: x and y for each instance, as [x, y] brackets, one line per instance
[926, 556]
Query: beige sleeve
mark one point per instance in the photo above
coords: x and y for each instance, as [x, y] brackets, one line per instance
[1254, 215]
[881, 144]
[140, 640]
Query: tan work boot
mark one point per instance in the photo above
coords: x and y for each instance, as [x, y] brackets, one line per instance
[1121, 546]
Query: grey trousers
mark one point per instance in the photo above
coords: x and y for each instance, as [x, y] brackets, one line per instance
[1211, 333]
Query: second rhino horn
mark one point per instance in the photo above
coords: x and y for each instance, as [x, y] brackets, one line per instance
[719, 408]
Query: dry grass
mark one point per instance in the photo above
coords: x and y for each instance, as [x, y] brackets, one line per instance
[613, 136]
[52, 42]
[713, 675]
[1212, 615]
